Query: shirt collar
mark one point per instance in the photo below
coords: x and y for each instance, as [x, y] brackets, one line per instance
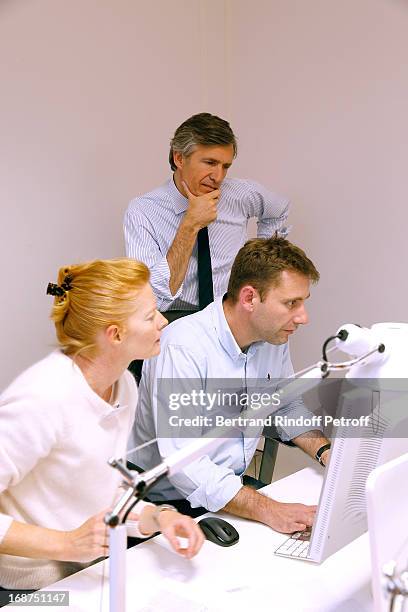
[99, 406]
[180, 202]
[225, 334]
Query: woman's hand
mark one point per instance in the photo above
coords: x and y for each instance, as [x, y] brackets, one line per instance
[174, 525]
[84, 544]
[88, 542]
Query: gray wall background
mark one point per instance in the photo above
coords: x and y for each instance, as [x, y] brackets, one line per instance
[92, 90]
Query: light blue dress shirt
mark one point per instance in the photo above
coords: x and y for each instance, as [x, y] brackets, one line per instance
[152, 220]
[201, 347]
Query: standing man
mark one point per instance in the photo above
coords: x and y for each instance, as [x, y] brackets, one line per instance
[189, 230]
[241, 338]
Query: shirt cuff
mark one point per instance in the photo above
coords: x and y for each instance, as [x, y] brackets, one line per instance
[160, 281]
[223, 493]
[132, 527]
[299, 420]
[271, 223]
[5, 522]
[269, 228]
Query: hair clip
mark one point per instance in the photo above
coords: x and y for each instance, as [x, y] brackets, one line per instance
[54, 289]
[66, 284]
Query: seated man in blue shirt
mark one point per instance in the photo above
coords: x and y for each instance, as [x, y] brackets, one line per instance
[244, 337]
[162, 228]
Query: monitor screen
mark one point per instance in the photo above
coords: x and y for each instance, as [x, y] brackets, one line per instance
[356, 451]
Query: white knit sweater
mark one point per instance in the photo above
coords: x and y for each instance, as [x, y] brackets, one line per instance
[56, 436]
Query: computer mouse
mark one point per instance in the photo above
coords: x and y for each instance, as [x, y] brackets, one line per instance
[219, 531]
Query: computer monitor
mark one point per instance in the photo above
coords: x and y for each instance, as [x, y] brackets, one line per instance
[387, 511]
[356, 450]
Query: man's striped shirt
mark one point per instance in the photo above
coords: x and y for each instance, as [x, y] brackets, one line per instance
[151, 222]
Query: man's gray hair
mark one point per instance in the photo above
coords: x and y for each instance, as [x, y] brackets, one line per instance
[202, 129]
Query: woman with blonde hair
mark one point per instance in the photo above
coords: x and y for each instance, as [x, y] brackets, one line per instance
[64, 417]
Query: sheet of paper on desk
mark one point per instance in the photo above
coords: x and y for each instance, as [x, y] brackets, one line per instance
[167, 601]
[173, 597]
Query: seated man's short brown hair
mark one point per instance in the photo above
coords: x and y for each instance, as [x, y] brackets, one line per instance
[261, 261]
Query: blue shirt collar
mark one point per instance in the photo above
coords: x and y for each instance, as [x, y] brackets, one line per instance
[180, 202]
[225, 334]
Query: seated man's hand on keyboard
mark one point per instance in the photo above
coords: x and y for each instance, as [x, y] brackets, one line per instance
[288, 518]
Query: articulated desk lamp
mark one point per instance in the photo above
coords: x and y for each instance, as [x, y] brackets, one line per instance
[361, 343]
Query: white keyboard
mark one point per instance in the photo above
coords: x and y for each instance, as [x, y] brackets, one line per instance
[297, 546]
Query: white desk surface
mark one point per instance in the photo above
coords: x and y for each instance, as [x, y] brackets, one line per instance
[246, 576]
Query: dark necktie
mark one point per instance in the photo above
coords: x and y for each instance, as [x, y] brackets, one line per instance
[205, 281]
